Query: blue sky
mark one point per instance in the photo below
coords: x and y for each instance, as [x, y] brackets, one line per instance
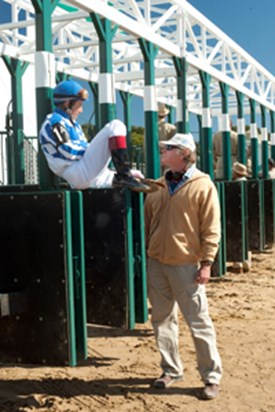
[250, 23]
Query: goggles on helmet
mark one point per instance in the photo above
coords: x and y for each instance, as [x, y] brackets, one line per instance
[69, 90]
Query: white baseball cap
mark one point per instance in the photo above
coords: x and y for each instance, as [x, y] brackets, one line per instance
[181, 140]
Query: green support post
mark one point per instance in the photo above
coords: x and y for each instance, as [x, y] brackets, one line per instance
[220, 265]
[206, 151]
[254, 139]
[126, 101]
[241, 129]
[171, 115]
[130, 260]
[16, 69]
[182, 109]
[264, 144]
[226, 142]
[141, 308]
[201, 140]
[149, 52]
[105, 34]
[60, 77]
[79, 275]
[272, 130]
[45, 75]
[70, 281]
[94, 88]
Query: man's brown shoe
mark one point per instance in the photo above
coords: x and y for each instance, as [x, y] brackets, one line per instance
[210, 391]
[165, 380]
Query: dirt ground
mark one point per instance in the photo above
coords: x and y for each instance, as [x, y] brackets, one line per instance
[121, 365]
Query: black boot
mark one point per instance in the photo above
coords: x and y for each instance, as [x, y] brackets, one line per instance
[123, 177]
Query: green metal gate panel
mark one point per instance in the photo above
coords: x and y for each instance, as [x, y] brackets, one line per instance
[236, 223]
[269, 211]
[115, 257]
[37, 273]
[105, 258]
[256, 225]
[140, 279]
[219, 266]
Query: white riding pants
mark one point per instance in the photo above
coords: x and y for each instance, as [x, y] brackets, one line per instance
[92, 170]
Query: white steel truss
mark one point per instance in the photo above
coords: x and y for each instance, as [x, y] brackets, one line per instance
[175, 27]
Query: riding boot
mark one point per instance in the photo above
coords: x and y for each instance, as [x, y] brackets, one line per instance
[123, 177]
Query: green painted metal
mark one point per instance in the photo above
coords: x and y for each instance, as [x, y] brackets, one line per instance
[151, 145]
[181, 70]
[130, 259]
[226, 143]
[43, 26]
[171, 115]
[201, 140]
[149, 52]
[221, 256]
[141, 307]
[60, 77]
[264, 146]
[126, 101]
[244, 220]
[254, 141]
[245, 217]
[70, 280]
[94, 88]
[206, 138]
[105, 33]
[79, 274]
[241, 137]
[17, 69]
[262, 215]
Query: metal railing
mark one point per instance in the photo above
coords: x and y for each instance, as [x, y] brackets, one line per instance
[31, 175]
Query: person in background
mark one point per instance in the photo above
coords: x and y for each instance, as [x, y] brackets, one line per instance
[218, 151]
[71, 157]
[239, 172]
[166, 130]
[271, 168]
[182, 226]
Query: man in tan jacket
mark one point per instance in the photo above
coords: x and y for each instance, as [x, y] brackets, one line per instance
[182, 236]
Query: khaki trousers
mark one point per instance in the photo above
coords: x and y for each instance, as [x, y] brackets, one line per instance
[172, 286]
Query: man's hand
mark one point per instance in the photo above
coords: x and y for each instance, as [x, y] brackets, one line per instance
[204, 274]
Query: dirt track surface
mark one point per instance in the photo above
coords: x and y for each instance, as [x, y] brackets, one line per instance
[122, 364]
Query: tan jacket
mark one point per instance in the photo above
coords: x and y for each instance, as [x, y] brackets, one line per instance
[184, 227]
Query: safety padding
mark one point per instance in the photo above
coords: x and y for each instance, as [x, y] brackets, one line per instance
[106, 261]
[39, 322]
[115, 257]
[256, 218]
[236, 221]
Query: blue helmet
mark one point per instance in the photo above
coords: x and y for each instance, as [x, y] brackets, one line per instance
[69, 90]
